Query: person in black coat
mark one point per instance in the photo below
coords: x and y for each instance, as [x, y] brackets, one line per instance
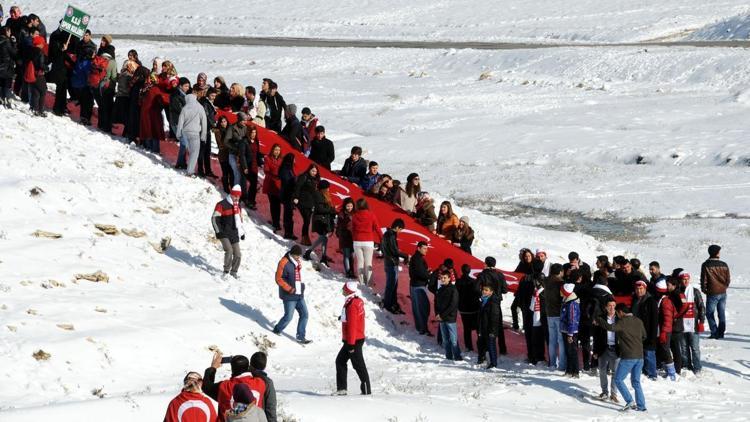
[304, 199]
[391, 258]
[321, 149]
[322, 221]
[275, 105]
[249, 163]
[355, 167]
[489, 321]
[446, 311]
[490, 276]
[292, 131]
[469, 293]
[524, 295]
[204, 161]
[645, 308]
[258, 362]
[419, 275]
[288, 181]
[7, 65]
[58, 74]
[625, 279]
[575, 263]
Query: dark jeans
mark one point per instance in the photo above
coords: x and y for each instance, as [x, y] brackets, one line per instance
[106, 102]
[675, 346]
[274, 203]
[584, 337]
[204, 159]
[249, 184]
[514, 312]
[288, 218]
[691, 351]
[571, 352]
[227, 177]
[121, 110]
[486, 344]
[501, 347]
[391, 286]
[450, 340]
[714, 303]
[528, 331]
[133, 122]
[86, 103]
[469, 324]
[61, 97]
[37, 91]
[5, 84]
[420, 308]
[537, 344]
[306, 217]
[358, 362]
[663, 351]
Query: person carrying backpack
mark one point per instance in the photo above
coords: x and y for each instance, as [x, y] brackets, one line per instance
[102, 81]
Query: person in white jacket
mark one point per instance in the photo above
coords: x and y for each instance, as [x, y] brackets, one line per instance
[193, 126]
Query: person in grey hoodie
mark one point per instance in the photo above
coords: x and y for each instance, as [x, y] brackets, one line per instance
[193, 125]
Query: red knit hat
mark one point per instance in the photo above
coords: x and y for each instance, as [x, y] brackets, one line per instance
[38, 41]
[236, 191]
[661, 286]
[684, 275]
[350, 287]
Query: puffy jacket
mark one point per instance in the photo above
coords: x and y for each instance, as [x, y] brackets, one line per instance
[353, 328]
[225, 222]
[222, 391]
[389, 247]
[354, 171]
[190, 407]
[285, 278]
[494, 278]
[645, 309]
[80, 78]
[446, 303]
[464, 237]
[323, 215]
[234, 136]
[715, 277]
[570, 315]
[177, 101]
[251, 413]
[489, 317]
[192, 119]
[288, 180]
[365, 227]
[425, 215]
[271, 182]
[419, 275]
[322, 152]
[305, 189]
[469, 293]
[292, 132]
[666, 318]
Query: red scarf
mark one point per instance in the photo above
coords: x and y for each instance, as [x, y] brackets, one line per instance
[236, 208]
[298, 271]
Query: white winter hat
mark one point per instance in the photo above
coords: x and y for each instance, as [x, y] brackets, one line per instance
[567, 289]
[350, 287]
[236, 191]
[661, 286]
[540, 250]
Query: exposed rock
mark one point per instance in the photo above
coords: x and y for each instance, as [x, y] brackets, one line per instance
[66, 327]
[108, 229]
[159, 210]
[45, 234]
[100, 310]
[119, 164]
[133, 233]
[36, 191]
[12, 328]
[162, 246]
[98, 392]
[26, 282]
[32, 311]
[485, 75]
[41, 355]
[49, 284]
[95, 277]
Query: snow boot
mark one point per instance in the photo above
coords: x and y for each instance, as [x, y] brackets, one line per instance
[306, 255]
[671, 373]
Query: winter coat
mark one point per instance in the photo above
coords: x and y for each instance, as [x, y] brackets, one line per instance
[600, 336]
[389, 247]
[7, 58]
[624, 284]
[288, 180]
[177, 101]
[570, 315]
[248, 153]
[406, 202]
[464, 237]
[305, 189]
[222, 391]
[365, 227]
[596, 306]
[344, 230]
[236, 104]
[494, 278]
[447, 225]
[368, 181]
[220, 134]
[292, 132]
[680, 309]
[715, 277]
[552, 299]
[322, 152]
[269, 398]
[80, 77]
[645, 309]
[309, 128]
[525, 293]
[353, 326]
[210, 117]
[152, 123]
[192, 119]
[271, 182]
[286, 279]
[425, 214]
[57, 58]
[446, 303]
[190, 407]
[469, 293]
[666, 318]
[275, 106]
[251, 413]
[224, 221]
[235, 135]
[323, 214]
[419, 275]
[630, 335]
[583, 268]
[123, 84]
[489, 318]
[354, 171]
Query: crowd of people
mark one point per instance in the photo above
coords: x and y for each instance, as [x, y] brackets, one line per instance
[615, 320]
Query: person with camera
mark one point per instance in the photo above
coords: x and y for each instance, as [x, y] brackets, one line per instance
[191, 405]
[353, 336]
[222, 391]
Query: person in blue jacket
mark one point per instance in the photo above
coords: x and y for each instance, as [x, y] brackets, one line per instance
[570, 317]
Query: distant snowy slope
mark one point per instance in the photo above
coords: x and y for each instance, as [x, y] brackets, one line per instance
[513, 20]
[734, 28]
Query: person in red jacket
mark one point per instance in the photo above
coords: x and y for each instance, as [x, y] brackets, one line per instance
[353, 336]
[222, 391]
[191, 405]
[365, 233]
[272, 184]
[666, 317]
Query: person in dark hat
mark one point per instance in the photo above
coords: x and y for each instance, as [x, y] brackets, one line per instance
[292, 293]
[715, 279]
[245, 408]
[223, 391]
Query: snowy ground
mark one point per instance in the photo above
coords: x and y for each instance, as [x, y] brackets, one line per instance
[456, 20]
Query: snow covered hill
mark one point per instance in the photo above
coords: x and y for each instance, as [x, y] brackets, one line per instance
[733, 28]
[462, 20]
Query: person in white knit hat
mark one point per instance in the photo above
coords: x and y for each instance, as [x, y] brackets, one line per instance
[353, 336]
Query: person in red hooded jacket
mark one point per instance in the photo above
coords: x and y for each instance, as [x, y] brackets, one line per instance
[666, 317]
[353, 336]
[272, 184]
[365, 233]
[191, 405]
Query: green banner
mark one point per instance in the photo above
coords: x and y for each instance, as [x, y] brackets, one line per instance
[75, 21]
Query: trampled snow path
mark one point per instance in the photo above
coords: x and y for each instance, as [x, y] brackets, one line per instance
[134, 337]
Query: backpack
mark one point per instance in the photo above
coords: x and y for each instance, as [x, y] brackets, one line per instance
[97, 77]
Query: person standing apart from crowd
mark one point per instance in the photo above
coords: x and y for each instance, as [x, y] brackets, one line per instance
[227, 223]
[630, 335]
[292, 293]
[365, 234]
[715, 279]
[353, 336]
